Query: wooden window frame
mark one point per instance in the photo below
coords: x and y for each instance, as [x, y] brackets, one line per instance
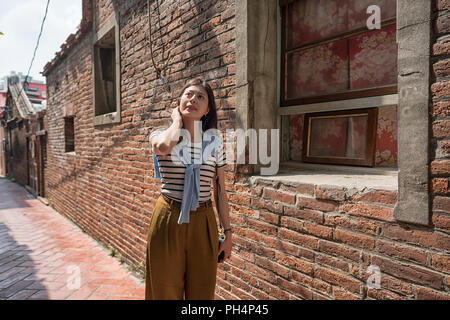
[348, 94]
[369, 158]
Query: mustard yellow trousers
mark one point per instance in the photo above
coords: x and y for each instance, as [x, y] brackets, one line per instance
[181, 258]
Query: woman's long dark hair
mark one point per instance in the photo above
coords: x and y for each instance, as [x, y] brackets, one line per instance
[209, 121]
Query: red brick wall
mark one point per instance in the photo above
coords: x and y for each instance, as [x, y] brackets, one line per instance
[70, 84]
[291, 241]
[315, 242]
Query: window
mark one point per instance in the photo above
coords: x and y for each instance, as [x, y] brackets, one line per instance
[344, 137]
[44, 94]
[257, 87]
[69, 134]
[41, 124]
[32, 89]
[105, 98]
[328, 54]
[106, 66]
[10, 143]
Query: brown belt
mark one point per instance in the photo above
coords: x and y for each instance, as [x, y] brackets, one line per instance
[201, 205]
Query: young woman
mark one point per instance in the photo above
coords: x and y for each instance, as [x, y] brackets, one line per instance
[182, 244]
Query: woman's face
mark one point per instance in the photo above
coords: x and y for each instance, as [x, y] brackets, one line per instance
[194, 102]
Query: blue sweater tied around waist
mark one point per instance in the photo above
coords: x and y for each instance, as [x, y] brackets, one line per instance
[191, 188]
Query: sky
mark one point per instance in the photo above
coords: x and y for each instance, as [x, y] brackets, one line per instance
[20, 22]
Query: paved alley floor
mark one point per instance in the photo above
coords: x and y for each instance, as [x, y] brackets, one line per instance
[45, 256]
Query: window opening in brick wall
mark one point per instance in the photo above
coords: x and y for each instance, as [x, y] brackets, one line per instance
[345, 137]
[69, 134]
[328, 54]
[105, 74]
[10, 143]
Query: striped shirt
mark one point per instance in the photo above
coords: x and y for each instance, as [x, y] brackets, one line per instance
[172, 172]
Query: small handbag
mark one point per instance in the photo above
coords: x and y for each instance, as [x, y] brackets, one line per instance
[222, 254]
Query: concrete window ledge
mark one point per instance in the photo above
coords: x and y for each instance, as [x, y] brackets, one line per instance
[348, 177]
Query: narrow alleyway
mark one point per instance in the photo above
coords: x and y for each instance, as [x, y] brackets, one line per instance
[43, 255]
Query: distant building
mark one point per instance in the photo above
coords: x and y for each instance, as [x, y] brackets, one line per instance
[36, 90]
[2, 97]
[22, 134]
[3, 91]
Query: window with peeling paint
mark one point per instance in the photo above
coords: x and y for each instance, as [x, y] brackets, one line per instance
[330, 54]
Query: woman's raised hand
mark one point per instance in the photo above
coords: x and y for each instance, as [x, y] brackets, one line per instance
[176, 117]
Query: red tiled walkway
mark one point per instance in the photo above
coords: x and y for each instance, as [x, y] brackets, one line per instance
[45, 256]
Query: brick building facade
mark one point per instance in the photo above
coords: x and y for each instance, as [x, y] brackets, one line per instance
[22, 134]
[312, 231]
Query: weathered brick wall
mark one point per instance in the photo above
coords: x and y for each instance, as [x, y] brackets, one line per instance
[68, 87]
[291, 241]
[317, 242]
